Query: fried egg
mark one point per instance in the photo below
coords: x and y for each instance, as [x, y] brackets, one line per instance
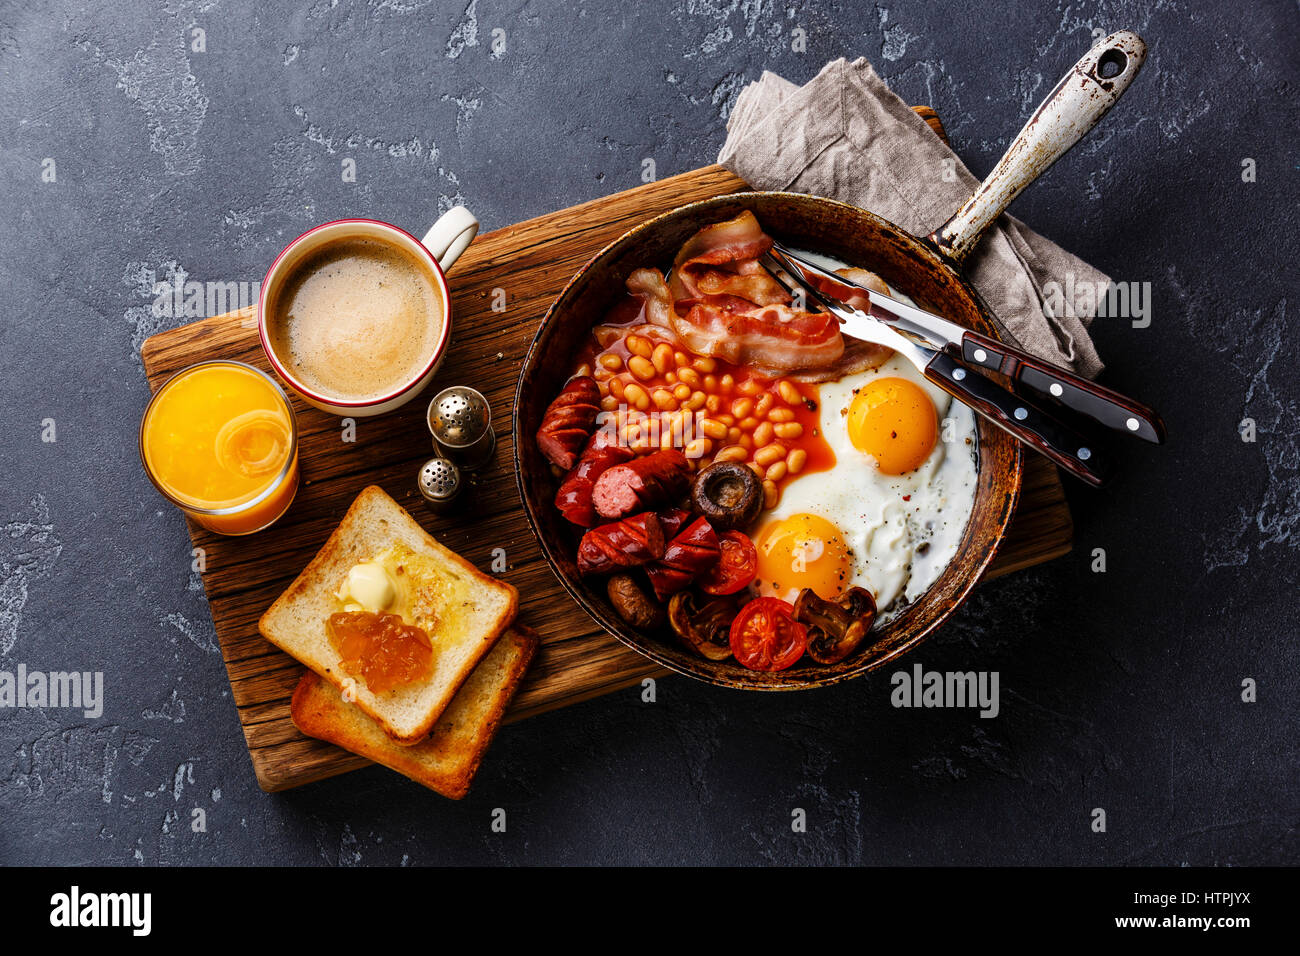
[889, 515]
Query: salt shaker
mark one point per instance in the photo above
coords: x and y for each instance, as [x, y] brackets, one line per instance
[439, 482]
[461, 423]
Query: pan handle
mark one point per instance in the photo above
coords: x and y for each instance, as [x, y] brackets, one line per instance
[1083, 97]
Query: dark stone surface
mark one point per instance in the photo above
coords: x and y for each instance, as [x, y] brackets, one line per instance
[1119, 690]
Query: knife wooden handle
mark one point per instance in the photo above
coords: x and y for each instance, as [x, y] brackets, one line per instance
[1107, 406]
[1026, 422]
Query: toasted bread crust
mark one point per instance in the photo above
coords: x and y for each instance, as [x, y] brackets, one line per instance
[448, 759]
[341, 550]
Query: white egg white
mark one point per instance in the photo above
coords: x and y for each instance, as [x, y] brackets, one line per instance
[901, 530]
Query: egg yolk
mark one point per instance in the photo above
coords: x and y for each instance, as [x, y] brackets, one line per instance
[802, 551]
[893, 421]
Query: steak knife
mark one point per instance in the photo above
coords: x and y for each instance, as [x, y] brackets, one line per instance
[1022, 419]
[1104, 405]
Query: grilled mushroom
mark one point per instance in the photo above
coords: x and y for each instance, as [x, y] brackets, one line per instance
[728, 494]
[633, 604]
[835, 630]
[703, 629]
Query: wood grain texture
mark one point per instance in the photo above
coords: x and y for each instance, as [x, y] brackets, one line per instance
[531, 262]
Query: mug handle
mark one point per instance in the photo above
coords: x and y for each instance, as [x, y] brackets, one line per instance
[451, 235]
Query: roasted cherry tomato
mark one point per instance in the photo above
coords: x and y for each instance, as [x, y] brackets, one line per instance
[766, 637]
[736, 566]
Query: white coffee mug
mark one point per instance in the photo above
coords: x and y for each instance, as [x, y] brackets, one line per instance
[440, 248]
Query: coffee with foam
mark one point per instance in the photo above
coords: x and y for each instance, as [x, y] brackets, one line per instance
[357, 319]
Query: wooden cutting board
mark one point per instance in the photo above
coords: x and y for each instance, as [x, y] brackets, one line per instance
[531, 262]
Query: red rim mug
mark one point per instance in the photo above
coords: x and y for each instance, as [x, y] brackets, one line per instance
[441, 246]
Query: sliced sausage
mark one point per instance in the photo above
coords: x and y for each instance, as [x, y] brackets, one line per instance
[689, 554]
[628, 543]
[641, 484]
[569, 421]
[574, 496]
[673, 520]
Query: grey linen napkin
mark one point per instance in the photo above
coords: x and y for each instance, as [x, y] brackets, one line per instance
[845, 135]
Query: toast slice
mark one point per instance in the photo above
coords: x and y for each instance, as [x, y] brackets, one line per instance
[471, 608]
[447, 760]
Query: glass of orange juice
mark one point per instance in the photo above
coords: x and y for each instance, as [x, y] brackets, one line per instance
[220, 441]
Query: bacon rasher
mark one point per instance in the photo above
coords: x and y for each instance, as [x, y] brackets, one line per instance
[719, 302]
[722, 260]
[772, 338]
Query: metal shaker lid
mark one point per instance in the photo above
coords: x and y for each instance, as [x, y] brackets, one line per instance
[459, 416]
[439, 481]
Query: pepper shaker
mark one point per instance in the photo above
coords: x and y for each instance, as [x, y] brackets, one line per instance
[461, 424]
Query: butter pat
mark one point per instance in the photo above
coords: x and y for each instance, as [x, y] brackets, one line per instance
[370, 586]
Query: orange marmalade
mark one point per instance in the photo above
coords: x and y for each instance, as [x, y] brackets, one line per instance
[381, 649]
[659, 396]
